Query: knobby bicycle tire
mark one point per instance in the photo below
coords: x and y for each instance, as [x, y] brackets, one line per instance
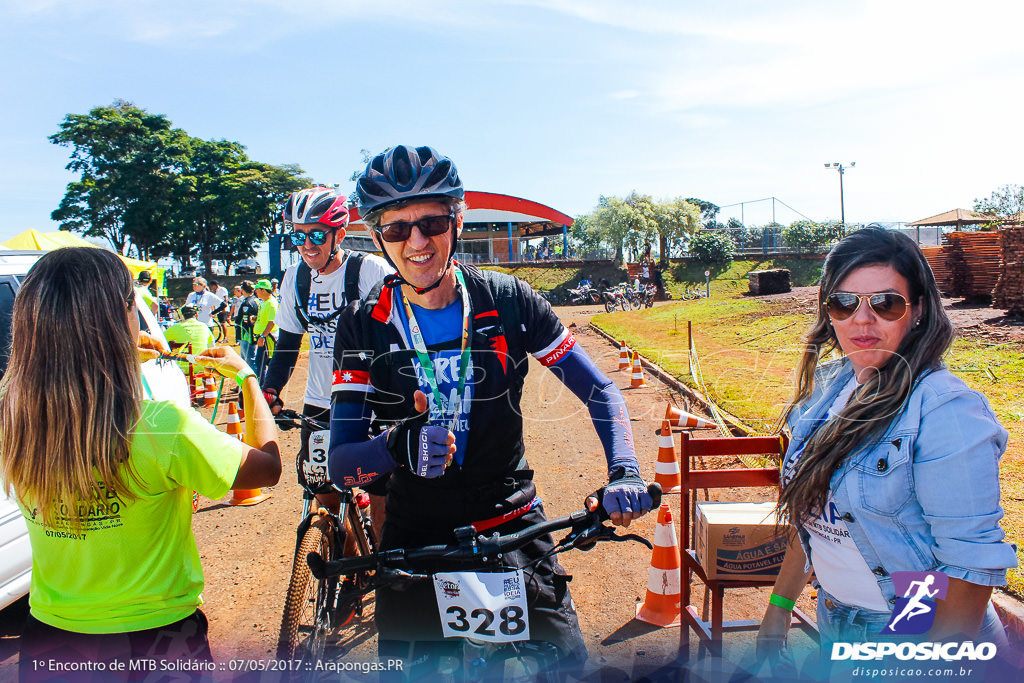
[306, 621]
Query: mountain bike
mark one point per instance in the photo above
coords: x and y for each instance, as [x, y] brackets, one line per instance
[489, 635]
[315, 607]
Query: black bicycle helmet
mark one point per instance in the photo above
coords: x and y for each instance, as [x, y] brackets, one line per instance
[188, 311]
[404, 173]
[316, 205]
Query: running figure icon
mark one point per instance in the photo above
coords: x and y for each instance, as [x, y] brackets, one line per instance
[918, 592]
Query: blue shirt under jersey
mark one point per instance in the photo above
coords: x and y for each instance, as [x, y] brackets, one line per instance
[442, 334]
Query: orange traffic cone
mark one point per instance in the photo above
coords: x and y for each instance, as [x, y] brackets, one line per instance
[623, 356]
[210, 397]
[241, 411]
[681, 418]
[638, 373]
[242, 496]
[666, 472]
[661, 606]
[234, 425]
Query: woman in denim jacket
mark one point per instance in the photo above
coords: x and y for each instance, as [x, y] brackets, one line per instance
[894, 462]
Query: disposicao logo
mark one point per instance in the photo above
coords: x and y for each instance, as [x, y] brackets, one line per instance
[914, 613]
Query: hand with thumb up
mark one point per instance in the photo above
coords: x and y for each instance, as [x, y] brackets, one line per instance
[425, 449]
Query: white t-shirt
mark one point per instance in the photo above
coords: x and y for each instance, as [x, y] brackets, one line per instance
[222, 293]
[205, 302]
[838, 563]
[326, 295]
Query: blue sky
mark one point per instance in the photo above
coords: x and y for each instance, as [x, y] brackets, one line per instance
[559, 101]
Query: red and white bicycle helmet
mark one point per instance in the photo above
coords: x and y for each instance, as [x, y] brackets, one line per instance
[316, 205]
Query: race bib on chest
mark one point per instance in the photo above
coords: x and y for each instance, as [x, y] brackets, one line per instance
[485, 606]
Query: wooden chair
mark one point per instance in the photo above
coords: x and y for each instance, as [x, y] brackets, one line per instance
[710, 632]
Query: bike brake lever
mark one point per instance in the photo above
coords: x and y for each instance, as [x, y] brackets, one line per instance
[629, 537]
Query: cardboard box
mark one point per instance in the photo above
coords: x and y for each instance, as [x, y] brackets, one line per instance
[738, 542]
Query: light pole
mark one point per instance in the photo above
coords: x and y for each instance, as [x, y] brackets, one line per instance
[842, 169]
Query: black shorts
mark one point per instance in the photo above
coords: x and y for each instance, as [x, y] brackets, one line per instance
[43, 646]
[222, 317]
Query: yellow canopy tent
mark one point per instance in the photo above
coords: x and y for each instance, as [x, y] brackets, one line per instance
[48, 241]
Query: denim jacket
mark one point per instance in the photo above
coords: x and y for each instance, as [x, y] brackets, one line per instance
[924, 496]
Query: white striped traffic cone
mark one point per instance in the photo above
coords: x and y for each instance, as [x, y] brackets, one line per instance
[234, 424]
[623, 356]
[685, 420]
[637, 380]
[210, 397]
[661, 606]
[666, 472]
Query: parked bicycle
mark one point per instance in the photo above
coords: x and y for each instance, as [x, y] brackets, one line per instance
[315, 607]
[487, 638]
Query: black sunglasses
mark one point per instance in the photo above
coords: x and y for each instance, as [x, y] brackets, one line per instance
[430, 226]
[317, 237]
[886, 305]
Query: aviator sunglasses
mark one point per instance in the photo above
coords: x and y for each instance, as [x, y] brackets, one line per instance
[317, 237]
[430, 226]
[886, 305]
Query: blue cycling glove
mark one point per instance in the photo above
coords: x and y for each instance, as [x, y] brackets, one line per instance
[626, 492]
[421, 447]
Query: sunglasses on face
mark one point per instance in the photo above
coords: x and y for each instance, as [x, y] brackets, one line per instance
[431, 226]
[886, 305]
[317, 237]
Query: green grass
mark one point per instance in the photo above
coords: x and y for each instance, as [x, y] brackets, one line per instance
[749, 347]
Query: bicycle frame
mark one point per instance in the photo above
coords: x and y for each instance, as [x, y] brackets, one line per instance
[473, 551]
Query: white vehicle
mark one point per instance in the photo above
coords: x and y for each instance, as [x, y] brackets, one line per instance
[164, 380]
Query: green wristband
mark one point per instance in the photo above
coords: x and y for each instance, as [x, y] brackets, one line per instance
[784, 603]
[244, 374]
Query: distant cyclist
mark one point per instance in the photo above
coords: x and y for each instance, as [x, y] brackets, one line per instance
[245, 318]
[313, 295]
[439, 351]
[189, 334]
[206, 302]
[221, 315]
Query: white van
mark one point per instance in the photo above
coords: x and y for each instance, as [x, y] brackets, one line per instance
[164, 380]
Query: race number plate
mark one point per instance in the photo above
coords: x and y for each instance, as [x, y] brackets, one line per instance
[314, 467]
[483, 605]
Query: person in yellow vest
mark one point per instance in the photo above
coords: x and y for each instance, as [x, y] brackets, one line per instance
[264, 331]
[189, 334]
[105, 481]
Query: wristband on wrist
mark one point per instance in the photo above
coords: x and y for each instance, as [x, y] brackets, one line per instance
[784, 603]
[244, 374]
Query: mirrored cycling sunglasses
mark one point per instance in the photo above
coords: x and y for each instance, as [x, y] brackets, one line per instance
[431, 226]
[315, 236]
[886, 305]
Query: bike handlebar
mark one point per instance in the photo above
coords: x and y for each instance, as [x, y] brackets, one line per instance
[289, 419]
[586, 527]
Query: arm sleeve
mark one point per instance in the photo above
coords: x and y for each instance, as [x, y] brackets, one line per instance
[283, 362]
[353, 457]
[555, 347]
[956, 475]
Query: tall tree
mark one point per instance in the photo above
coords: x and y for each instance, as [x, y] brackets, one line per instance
[676, 220]
[128, 161]
[708, 211]
[1006, 205]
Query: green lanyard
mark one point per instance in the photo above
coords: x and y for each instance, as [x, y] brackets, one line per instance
[421, 350]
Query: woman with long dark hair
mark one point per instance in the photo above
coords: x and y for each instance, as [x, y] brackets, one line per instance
[894, 462]
[105, 476]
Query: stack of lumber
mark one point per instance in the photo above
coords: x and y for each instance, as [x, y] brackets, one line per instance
[937, 260]
[774, 281]
[973, 263]
[1009, 290]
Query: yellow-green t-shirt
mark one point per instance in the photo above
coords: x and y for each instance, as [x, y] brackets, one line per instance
[266, 315]
[147, 296]
[134, 564]
[190, 331]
